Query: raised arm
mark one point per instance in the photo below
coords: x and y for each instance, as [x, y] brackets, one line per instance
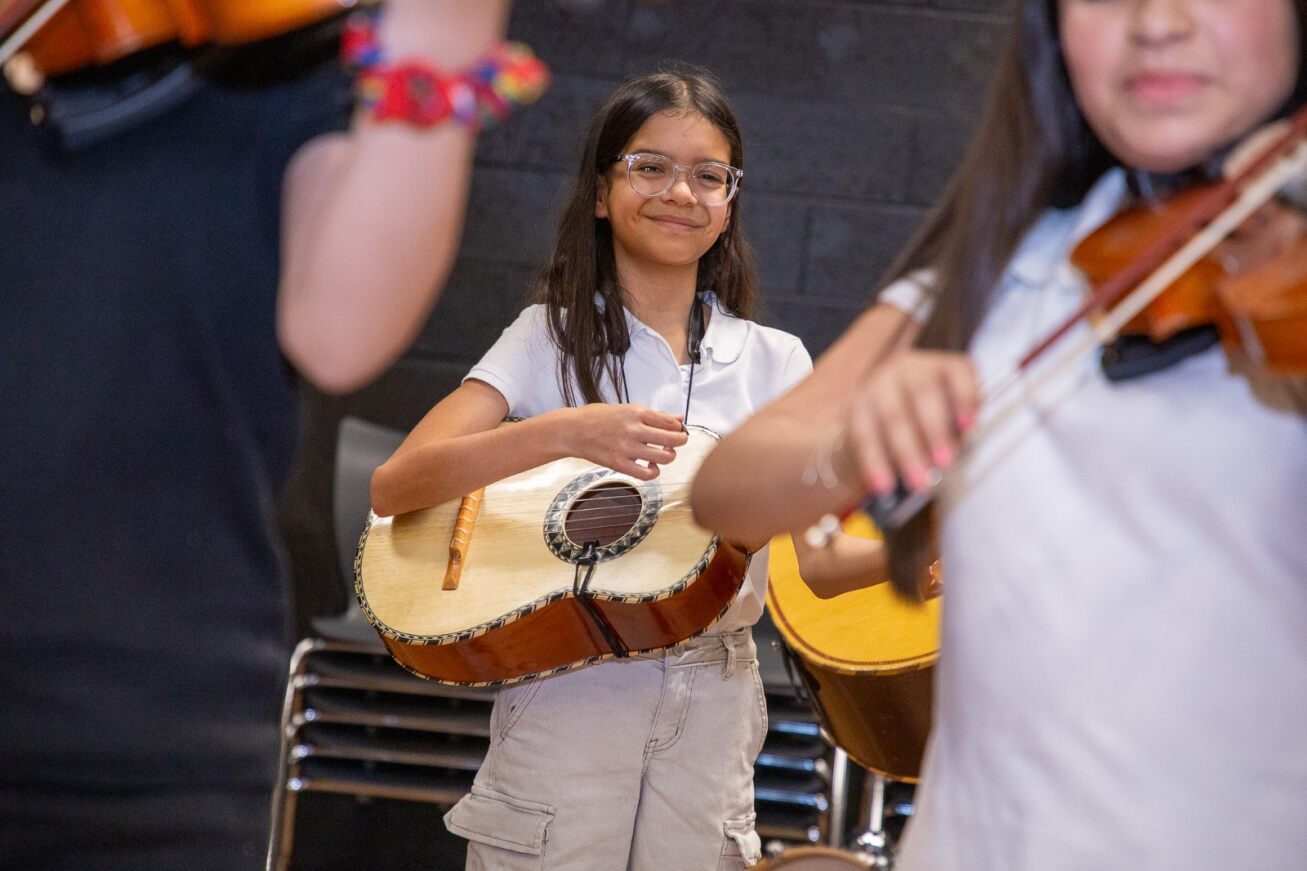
[372, 217]
[752, 486]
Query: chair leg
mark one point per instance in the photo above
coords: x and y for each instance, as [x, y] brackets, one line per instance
[283, 838]
[282, 832]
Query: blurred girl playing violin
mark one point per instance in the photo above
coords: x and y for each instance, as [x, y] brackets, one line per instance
[1123, 678]
[183, 225]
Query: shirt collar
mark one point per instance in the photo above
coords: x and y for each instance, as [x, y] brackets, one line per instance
[723, 340]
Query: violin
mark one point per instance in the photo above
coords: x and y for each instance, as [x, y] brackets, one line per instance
[1157, 271]
[1257, 304]
[61, 36]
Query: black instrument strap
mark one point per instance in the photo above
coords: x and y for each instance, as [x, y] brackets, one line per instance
[694, 333]
[585, 569]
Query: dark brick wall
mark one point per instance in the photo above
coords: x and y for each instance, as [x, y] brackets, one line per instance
[854, 113]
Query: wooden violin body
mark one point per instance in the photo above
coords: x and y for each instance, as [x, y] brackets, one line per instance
[1256, 300]
[1187, 302]
[1265, 312]
[84, 33]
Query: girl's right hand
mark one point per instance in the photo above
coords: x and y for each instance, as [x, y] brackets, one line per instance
[617, 436]
[909, 418]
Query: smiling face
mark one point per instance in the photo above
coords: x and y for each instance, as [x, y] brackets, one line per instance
[672, 229]
[1167, 83]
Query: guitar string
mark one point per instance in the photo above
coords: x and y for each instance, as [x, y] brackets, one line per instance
[601, 523]
[595, 520]
[602, 510]
[504, 499]
[528, 500]
[533, 504]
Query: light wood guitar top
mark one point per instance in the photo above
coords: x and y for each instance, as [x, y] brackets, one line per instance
[871, 630]
[510, 565]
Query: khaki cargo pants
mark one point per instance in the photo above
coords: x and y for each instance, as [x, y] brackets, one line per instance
[642, 764]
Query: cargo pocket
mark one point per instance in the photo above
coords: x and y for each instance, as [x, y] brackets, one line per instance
[509, 832]
[743, 847]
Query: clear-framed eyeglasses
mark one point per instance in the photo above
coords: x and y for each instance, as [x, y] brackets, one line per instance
[651, 175]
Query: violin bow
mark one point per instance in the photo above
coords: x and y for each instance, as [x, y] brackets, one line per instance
[1209, 222]
[33, 19]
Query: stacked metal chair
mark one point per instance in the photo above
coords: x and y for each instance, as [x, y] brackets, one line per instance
[353, 722]
[799, 778]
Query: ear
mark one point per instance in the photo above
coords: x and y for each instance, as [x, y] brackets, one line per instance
[601, 193]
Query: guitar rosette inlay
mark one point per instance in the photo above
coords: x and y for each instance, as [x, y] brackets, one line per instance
[612, 510]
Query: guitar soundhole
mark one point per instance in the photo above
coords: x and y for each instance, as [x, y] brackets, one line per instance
[603, 514]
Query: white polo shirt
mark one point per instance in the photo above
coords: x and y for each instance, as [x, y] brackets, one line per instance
[1123, 671]
[744, 367]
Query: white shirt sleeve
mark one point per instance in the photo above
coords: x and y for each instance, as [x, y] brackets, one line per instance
[797, 367]
[911, 294]
[522, 364]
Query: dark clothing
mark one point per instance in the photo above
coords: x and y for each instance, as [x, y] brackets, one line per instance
[150, 419]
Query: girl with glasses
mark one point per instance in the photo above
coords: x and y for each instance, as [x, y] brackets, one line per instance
[641, 327]
[1123, 672]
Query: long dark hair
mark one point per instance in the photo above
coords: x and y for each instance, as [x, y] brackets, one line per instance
[592, 339]
[1032, 150]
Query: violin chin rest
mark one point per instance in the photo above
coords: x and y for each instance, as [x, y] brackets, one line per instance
[1129, 357]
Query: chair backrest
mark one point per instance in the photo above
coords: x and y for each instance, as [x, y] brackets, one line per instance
[361, 446]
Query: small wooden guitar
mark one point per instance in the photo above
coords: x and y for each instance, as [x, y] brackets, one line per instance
[557, 567]
[867, 658]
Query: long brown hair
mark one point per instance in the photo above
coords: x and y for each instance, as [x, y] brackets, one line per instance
[593, 338]
[1032, 150]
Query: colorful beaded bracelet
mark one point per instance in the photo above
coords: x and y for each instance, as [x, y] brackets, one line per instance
[412, 91]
